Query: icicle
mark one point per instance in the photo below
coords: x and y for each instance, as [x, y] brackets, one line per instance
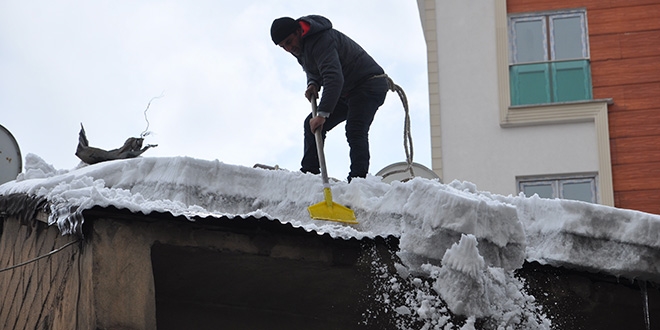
[645, 303]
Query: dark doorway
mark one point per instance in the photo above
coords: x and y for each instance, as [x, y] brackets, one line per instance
[200, 289]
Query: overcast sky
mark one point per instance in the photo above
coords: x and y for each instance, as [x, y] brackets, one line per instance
[226, 91]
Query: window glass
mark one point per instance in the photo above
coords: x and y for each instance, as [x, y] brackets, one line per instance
[581, 191]
[530, 41]
[567, 38]
[543, 189]
[576, 187]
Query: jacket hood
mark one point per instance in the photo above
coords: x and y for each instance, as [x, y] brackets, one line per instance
[317, 23]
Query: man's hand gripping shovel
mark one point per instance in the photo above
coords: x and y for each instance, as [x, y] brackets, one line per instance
[327, 209]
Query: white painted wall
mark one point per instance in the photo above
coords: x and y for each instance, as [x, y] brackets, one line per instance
[475, 147]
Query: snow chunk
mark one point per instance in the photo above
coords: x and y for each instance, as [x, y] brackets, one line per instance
[464, 257]
[474, 290]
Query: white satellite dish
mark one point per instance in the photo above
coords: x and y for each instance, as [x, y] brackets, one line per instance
[10, 156]
[399, 172]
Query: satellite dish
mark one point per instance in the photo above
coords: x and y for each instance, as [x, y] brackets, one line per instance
[10, 157]
[399, 172]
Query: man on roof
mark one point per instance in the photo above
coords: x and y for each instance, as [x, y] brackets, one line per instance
[354, 85]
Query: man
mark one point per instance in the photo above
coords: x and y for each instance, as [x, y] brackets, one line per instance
[354, 85]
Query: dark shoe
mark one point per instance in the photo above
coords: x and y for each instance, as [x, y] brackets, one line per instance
[304, 170]
[351, 177]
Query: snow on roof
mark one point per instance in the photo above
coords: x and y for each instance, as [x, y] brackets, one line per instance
[426, 215]
[427, 211]
[432, 220]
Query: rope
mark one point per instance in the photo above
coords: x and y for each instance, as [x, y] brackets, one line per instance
[407, 136]
[39, 257]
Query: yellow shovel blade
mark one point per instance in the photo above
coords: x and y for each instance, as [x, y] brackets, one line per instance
[329, 210]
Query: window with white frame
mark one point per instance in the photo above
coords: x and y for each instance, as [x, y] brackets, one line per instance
[581, 188]
[549, 57]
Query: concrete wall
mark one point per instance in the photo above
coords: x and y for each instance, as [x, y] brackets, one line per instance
[49, 293]
[137, 272]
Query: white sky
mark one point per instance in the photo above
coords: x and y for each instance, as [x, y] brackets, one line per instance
[228, 92]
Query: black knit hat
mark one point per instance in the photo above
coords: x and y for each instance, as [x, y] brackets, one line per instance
[282, 28]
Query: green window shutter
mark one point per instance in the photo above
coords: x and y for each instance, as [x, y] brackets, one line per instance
[571, 81]
[530, 84]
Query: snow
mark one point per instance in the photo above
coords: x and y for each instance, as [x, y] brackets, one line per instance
[463, 242]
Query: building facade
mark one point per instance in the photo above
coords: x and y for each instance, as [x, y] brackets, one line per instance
[547, 97]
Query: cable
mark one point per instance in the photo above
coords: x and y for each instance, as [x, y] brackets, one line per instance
[39, 257]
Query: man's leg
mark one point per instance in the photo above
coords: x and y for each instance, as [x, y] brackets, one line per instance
[310, 160]
[362, 105]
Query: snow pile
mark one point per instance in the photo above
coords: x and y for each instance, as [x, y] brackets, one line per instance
[471, 288]
[435, 216]
[463, 242]
[586, 236]
[463, 285]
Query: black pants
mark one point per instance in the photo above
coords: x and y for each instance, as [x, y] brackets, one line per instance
[358, 110]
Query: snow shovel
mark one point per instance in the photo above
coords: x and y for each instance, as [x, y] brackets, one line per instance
[327, 209]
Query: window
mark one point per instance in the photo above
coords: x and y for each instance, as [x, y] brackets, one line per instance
[549, 58]
[581, 188]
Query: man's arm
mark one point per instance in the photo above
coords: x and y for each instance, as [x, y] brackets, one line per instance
[330, 69]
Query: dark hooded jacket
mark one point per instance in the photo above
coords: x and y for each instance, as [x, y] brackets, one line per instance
[333, 61]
